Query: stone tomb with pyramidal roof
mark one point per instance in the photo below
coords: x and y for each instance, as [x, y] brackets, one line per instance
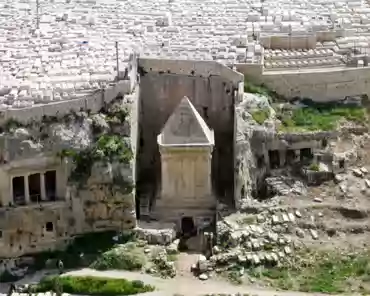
[186, 145]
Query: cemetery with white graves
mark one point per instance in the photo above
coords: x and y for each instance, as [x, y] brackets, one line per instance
[182, 147]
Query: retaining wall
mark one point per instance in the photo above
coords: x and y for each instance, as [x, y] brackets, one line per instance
[93, 101]
[322, 84]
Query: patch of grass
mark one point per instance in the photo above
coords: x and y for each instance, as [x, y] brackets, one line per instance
[255, 89]
[321, 117]
[92, 286]
[124, 257]
[260, 116]
[323, 272]
[83, 250]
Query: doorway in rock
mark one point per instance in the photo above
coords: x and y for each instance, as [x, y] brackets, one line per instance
[187, 226]
[188, 233]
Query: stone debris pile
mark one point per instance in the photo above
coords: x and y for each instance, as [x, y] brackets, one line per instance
[353, 183]
[268, 238]
[162, 265]
[247, 242]
[284, 185]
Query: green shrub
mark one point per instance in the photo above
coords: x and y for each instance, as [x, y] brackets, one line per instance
[260, 116]
[314, 167]
[91, 286]
[107, 148]
[125, 257]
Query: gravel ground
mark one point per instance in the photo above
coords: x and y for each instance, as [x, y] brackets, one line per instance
[184, 285]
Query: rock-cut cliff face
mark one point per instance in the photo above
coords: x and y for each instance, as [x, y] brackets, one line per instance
[244, 160]
[249, 143]
[92, 160]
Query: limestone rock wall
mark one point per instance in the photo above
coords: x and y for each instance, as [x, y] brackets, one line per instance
[104, 199]
[105, 206]
[27, 229]
[245, 164]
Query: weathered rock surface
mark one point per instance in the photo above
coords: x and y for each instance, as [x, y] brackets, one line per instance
[155, 233]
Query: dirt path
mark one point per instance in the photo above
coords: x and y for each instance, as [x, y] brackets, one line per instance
[187, 286]
[184, 262]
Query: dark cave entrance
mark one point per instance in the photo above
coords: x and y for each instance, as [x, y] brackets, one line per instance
[187, 226]
[274, 158]
[19, 197]
[51, 185]
[34, 186]
[290, 156]
[306, 155]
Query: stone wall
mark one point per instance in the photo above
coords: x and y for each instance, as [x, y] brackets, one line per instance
[213, 90]
[189, 67]
[92, 101]
[323, 84]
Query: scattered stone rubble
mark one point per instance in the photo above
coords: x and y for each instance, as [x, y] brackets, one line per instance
[162, 265]
[270, 239]
[283, 185]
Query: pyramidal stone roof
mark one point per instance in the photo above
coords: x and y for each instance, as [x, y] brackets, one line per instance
[186, 127]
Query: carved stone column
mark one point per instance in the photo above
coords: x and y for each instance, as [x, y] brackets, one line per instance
[42, 186]
[26, 189]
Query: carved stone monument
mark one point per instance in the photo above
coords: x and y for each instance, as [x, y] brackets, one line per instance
[186, 145]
